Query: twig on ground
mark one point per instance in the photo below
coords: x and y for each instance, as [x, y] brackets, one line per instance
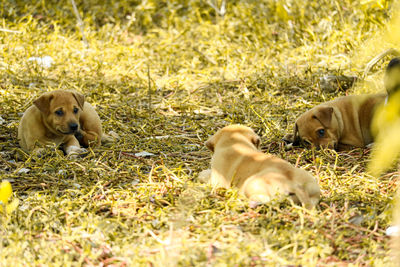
[149, 86]
[10, 31]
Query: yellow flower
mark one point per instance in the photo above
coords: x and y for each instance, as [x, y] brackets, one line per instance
[5, 193]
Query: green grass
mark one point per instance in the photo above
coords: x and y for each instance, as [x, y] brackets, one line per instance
[179, 71]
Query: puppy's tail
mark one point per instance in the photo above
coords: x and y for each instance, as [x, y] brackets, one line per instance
[111, 137]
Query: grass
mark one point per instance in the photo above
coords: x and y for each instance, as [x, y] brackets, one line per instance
[164, 76]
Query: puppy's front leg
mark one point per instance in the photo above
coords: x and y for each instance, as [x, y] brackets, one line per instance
[88, 138]
[344, 147]
[38, 151]
[71, 146]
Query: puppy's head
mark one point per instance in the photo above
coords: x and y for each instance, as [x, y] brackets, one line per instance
[61, 110]
[317, 127]
[392, 76]
[232, 132]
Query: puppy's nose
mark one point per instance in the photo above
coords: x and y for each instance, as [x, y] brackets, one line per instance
[73, 126]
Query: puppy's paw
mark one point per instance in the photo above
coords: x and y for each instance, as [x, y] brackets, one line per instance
[257, 200]
[39, 152]
[75, 151]
[288, 139]
[204, 176]
[291, 140]
[72, 149]
[79, 136]
[254, 204]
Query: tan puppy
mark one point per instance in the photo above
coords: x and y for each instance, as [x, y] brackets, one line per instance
[238, 162]
[341, 123]
[60, 117]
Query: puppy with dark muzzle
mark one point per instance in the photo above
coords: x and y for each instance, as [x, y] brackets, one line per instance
[60, 117]
[340, 124]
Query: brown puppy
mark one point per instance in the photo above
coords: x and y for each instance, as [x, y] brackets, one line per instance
[341, 123]
[60, 117]
[238, 162]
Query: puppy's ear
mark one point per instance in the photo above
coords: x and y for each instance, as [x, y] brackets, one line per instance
[210, 144]
[294, 138]
[79, 98]
[43, 103]
[324, 115]
[256, 141]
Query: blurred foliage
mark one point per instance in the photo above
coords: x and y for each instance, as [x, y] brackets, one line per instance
[386, 125]
[5, 193]
[164, 75]
[6, 207]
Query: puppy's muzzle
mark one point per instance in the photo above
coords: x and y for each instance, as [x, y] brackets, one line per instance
[73, 127]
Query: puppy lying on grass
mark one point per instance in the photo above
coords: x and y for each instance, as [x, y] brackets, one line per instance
[340, 124]
[63, 118]
[238, 162]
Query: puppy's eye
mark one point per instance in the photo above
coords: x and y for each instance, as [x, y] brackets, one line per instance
[76, 110]
[59, 112]
[321, 133]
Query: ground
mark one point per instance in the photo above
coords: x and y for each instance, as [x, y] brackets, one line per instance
[164, 76]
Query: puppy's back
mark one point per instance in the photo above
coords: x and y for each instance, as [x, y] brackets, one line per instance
[90, 121]
[30, 127]
[280, 177]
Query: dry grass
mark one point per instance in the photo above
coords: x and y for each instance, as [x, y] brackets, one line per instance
[165, 76]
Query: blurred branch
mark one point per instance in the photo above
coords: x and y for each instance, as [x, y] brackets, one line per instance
[206, 58]
[372, 63]
[149, 87]
[10, 31]
[80, 23]
[221, 10]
